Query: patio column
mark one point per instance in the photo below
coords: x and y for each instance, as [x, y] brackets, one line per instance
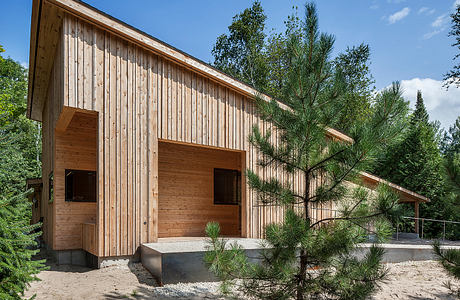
[417, 215]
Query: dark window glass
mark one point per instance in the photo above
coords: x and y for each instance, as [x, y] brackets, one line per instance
[51, 188]
[227, 186]
[80, 186]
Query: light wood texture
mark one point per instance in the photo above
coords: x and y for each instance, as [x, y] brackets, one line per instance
[186, 195]
[42, 53]
[119, 80]
[75, 149]
[142, 90]
[89, 237]
[64, 119]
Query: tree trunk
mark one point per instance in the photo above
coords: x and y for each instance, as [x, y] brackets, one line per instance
[303, 253]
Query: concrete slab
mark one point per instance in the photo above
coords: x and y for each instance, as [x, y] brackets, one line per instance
[182, 260]
[395, 253]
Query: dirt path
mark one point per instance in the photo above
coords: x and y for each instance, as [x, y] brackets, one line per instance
[408, 280]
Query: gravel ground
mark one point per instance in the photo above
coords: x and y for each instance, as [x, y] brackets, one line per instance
[407, 280]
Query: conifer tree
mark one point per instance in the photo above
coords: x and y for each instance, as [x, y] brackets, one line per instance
[415, 163]
[17, 246]
[303, 258]
[20, 148]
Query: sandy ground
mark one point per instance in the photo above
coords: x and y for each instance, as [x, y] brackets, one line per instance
[407, 280]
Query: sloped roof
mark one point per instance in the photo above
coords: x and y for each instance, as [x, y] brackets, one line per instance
[98, 18]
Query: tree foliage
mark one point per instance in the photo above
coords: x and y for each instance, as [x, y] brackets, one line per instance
[305, 258]
[17, 246]
[453, 75]
[264, 61]
[240, 53]
[416, 163]
[450, 260]
[20, 150]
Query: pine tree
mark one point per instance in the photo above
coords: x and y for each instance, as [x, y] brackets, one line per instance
[305, 258]
[420, 115]
[17, 246]
[415, 162]
[20, 147]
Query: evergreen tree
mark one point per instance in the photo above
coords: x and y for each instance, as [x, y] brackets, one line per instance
[305, 258]
[415, 162]
[17, 246]
[20, 148]
[420, 115]
[451, 151]
[247, 54]
[453, 75]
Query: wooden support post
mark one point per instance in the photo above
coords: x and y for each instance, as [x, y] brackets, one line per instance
[417, 215]
[64, 119]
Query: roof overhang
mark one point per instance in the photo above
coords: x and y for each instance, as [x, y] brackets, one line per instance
[40, 70]
[406, 195]
[44, 35]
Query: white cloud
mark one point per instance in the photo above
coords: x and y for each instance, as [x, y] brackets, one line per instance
[399, 15]
[441, 104]
[426, 11]
[422, 10]
[440, 21]
[431, 34]
[374, 6]
[397, 1]
[439, 25]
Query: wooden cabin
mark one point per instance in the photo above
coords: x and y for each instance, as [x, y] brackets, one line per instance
[140, 140]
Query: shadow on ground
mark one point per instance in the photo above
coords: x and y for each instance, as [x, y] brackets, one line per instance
[192, 293]
[52, 265]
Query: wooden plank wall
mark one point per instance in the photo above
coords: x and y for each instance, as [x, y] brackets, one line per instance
[109, 75]
[50, 114]
[186, 195]
[141, 97]
[76, 150]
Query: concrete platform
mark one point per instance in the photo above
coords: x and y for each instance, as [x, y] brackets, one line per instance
[395, 253]
[176, 260]
[181, 260]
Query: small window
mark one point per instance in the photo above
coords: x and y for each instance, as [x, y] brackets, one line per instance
[227, 186]
[80, 186]
[51, 188]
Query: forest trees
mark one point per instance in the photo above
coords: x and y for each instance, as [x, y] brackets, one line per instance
[264, 62]
[20, 151]
[304, 257]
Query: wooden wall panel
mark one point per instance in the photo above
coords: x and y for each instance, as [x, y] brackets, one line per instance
[142, 97]
[117, 79]
[75, 149]
[185, 180]
[50, 114]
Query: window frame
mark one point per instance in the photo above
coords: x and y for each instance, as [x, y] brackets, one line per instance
[66, 171]
[237, 190]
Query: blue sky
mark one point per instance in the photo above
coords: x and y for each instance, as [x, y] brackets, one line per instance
[408, 38]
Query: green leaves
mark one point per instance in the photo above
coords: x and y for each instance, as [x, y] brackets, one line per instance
[20, 150]
[306, 255]
[17, 246]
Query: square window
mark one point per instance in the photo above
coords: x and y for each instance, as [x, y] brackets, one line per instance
[227, 186]
[80, 186]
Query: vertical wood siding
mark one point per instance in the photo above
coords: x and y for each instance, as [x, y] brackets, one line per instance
[142, 97]
[51, 111]
[106, 74]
